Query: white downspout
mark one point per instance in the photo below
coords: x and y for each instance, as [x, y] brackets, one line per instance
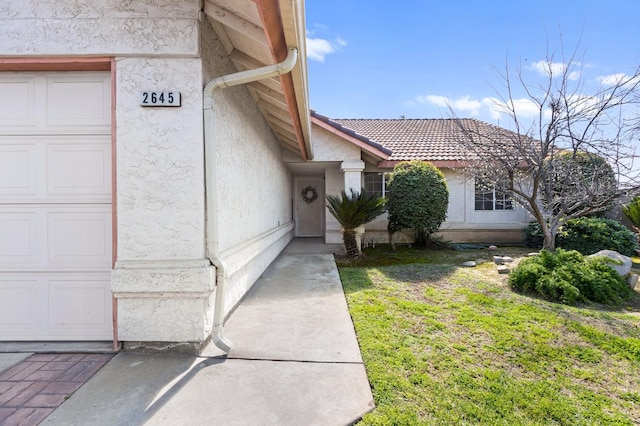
[213, 253]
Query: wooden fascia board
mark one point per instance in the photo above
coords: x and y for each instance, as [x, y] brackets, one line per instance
[360, 144]
[56, 64]
[269, 11]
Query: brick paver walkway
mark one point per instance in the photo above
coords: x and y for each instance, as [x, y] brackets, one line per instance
[33, 388]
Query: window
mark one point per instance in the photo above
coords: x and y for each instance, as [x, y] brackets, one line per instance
[491, 197]
[375, 183]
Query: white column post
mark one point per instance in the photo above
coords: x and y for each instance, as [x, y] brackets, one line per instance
[352, 170]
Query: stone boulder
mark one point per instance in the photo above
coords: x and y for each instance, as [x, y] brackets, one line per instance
[619, 262]
[503, 269]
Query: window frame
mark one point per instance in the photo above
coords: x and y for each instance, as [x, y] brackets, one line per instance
[383, 183]
[491, 198]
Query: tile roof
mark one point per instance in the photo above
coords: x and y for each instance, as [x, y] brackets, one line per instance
[419, 139]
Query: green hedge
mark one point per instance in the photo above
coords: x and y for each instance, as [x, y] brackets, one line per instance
[569, 277]
[587, 235]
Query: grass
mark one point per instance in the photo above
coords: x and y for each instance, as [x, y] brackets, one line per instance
[443, 344]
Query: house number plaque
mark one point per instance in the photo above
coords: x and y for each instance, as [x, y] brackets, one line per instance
[160, 99]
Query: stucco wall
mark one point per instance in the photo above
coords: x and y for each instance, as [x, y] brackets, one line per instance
[98, 27]
[160, 164]
[334, 183]
[463, 223]
[254, 187]
[329, 147]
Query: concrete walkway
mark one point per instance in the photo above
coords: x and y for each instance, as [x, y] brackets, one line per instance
[295, 361]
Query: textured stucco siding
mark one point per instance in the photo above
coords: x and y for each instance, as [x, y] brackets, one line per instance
[253, 185]
[463, 223]
[329, 147]
[334, 183]
[160, 164]
[98, 27]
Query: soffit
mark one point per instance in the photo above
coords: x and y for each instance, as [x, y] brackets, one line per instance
[257, 33]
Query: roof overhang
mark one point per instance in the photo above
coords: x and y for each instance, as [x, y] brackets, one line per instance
[256, 33]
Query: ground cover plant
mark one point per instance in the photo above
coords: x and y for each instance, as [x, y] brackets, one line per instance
[587, 235]
[568, 277]
[443, 344]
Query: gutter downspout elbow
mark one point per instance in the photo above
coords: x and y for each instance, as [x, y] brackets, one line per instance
[212, 232]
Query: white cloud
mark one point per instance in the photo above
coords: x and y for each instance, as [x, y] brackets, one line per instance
[464, 104]
[319, 48]
[612, 79]
[556, 69]
[488, 106]
[524, 108]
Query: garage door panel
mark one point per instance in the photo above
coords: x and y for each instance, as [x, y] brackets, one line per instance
[19, 306]
[79, 169]
[79, 239]
[55, 169]
[58, 306]
[18, 170]
[18, 238]
[77, 100]
[17, 101]
[79, 305]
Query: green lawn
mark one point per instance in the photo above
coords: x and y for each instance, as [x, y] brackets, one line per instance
[443, 344]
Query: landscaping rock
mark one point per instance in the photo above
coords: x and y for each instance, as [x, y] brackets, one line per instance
[492, 248]
[620, 263]
[507, 259]
[503, 269]
[469, 264]
[498, 260]
[632, 280]
[535, 253]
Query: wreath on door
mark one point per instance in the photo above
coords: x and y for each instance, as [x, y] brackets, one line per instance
[309, 194]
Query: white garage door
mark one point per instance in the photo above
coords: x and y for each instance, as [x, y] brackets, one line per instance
[55, 206]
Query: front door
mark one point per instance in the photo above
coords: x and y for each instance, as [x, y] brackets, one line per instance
[309, 205]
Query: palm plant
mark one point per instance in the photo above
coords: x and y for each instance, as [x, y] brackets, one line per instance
[632, 211]
[352, 211]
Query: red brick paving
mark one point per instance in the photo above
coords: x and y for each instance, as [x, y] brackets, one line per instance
[33, 388]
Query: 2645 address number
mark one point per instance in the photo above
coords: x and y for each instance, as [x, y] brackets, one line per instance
[170, 99]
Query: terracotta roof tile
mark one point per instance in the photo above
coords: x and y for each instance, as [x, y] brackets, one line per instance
[418, 139]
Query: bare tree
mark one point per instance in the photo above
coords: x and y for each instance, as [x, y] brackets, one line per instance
[576, 157]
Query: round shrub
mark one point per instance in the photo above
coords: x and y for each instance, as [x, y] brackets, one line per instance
[587, 235]
[418, 199]
[568, 277]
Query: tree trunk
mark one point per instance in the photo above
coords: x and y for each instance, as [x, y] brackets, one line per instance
[350, 244]
[549, 231]
[549, 240]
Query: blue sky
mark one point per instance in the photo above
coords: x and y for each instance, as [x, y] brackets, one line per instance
[386, 59]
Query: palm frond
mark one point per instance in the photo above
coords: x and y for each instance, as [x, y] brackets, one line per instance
[355, 209]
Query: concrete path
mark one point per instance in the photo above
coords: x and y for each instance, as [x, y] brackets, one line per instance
[295, 361]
